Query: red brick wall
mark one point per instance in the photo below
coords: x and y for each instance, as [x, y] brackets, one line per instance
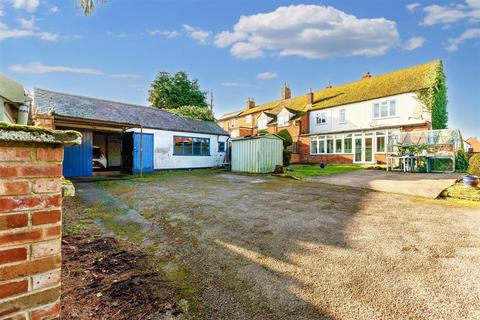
[30, 231]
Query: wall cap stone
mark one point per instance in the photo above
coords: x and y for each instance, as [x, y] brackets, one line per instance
[20, 133]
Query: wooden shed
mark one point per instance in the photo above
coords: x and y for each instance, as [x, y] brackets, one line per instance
[257, 154]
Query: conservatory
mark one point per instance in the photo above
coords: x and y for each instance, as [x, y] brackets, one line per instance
[424, 151]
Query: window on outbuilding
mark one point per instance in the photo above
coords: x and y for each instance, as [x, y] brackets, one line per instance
[221, 146]
[191, 146]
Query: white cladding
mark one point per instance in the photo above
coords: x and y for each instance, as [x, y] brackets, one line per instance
[359, 116]
[163, 153]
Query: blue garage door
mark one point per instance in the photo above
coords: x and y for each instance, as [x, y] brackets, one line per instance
[77, 160]
[147, 156]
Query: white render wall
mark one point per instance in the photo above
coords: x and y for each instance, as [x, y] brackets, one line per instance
[359, 116]
[163, 153]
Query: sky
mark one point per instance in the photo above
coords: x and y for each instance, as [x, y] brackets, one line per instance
[240, 49]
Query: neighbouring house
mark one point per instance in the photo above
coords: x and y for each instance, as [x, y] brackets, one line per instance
[287, 113]
[128, 138]
[473, 145]
[13, 101]
[348, 123]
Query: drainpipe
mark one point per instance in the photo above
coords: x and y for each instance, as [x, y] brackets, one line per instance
[23, 110]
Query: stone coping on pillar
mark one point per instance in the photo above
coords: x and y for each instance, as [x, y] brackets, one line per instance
[34, 134]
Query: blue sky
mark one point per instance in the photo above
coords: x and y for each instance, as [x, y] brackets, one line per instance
[116, 52]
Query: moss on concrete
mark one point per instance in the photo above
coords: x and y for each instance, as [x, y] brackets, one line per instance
[20, 133]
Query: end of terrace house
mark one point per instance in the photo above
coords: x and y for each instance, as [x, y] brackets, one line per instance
[351, 122]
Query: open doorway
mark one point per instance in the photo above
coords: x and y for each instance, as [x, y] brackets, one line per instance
[106, 152]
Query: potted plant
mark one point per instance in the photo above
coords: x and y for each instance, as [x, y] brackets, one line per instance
[471, 181]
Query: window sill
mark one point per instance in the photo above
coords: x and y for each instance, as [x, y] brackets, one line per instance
[385, 118]
[192, 155]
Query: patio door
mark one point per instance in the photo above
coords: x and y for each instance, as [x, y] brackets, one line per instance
[363, 148]
[368, 149]
[357, 156]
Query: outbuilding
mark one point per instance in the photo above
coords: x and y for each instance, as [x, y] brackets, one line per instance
[257, 154]
[128, 138]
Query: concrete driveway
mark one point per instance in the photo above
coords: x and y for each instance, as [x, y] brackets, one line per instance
[246, 247]
[428, 185]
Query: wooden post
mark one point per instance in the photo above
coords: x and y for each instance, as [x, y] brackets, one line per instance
[141, 151]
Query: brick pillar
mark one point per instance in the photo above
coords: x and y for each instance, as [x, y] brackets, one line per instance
[31, 221]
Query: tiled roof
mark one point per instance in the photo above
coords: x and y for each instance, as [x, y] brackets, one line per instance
[402, 81]
[73, 106]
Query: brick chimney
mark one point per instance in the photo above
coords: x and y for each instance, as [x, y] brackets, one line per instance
[310, 97]
[367, 75]
[286, 92]
[250, 103]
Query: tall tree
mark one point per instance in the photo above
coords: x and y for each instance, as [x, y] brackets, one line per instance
[174, 91]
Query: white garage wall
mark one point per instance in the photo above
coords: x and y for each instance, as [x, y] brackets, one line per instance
[164, 158]
[359, 116]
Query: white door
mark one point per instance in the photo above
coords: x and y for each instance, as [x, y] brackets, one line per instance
[363, 148]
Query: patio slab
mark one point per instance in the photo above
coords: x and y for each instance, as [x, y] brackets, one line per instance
[428, 185]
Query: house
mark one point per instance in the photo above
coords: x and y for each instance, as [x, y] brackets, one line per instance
[129, 138]
[13, 101]
[286, 113]
[348, 123]
[473, 145]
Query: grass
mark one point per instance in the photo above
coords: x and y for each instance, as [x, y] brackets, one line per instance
[306, 171]
[460, 191]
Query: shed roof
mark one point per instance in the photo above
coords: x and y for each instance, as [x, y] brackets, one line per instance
[80, 107]
[401, 81]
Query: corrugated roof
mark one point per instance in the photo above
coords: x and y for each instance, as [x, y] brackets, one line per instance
[74, 106]
[402, 81]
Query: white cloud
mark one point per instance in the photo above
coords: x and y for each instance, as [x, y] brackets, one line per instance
[27, 23]
[39, 68]
[454, 43]
[310, 31]
[201, 36]
[266, 75]
[54, 9]
[448, 14]
[9, 33]
[414, 43]
[165, 33]
[28, 5]
[231, 84]
[412, 6]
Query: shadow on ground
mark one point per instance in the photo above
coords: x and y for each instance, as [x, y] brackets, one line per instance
[265, 248]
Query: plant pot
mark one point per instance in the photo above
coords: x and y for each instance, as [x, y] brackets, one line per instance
[471, 181]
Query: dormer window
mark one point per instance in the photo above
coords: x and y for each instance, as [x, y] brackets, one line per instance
[262, 123]
[283, 120]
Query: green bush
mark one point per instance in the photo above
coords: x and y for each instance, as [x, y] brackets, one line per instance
[287, 155]
[461, 161]
[262, 131]
[474, 165]
[285, 135]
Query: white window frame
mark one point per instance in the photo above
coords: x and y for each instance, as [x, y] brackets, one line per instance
[384, 135]
[321, 118]
[248, 118]
[383, 109]
[282, 120]
[342, 115]
[262, 123]
[336, 138]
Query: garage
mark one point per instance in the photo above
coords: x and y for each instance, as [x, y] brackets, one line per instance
[122, 138]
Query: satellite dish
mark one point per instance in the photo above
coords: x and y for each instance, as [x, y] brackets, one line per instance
[417, 112]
